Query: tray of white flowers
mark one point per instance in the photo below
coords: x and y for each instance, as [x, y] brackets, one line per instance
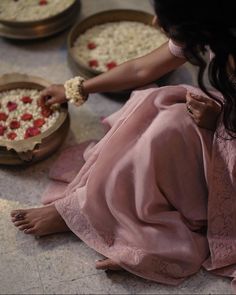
[34, 19]
[104, 40]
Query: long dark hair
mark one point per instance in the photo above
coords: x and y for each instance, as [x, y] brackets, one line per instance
[200, 25]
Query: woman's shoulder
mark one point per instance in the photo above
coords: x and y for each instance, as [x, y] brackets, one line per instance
[176, 49]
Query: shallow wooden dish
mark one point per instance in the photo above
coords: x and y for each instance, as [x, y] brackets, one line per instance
[77, 65]
[38, 147]
[27, 30]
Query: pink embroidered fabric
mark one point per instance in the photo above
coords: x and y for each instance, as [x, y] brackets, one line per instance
[156, 194]
[61, 170]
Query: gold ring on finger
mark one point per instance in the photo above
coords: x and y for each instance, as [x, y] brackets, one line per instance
[189, 109]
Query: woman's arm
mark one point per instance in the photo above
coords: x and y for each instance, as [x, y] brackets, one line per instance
[132, 74]
[135, 73]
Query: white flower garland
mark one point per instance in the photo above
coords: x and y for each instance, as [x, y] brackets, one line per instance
[74, 90]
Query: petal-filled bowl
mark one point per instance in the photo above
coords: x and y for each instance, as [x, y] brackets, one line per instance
[29, 131]
[36, 18]
[111, 37]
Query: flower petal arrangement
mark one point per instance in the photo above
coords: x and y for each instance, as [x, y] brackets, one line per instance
[32, 10]
[105, 46]
[24, 115]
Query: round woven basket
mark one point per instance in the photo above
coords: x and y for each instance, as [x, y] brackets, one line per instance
[36, 148]
[27, 30]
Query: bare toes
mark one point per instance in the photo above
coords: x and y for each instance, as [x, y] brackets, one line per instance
[25, 227]
[21, 222]
[107, 264]
[45, 220]
[30, 231]
[15, 219]
[16, 212]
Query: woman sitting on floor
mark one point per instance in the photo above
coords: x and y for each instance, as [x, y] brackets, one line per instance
[156, 195]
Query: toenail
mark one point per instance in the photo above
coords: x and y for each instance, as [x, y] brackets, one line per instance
[19, 216]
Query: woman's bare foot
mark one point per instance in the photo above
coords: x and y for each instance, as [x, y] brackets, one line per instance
[39, 221]
[106, 264]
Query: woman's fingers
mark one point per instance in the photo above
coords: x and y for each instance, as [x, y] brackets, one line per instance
[202, 103]
[53, 94]
[200, 98]
[190, 97]
[203, 110]
[51, 100]
[47, 92]
[195, 106]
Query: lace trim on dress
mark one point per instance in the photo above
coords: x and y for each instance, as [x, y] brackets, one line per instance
[222, 204]
[130, 258]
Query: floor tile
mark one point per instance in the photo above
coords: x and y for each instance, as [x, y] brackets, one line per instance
[19, 272]
[65, 258]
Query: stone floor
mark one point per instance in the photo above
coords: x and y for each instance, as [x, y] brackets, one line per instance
[62, 264]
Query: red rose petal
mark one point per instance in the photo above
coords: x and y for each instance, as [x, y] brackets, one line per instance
[11, 106]
[11, 135]
[14, 124]
[32, 131]
[26, 117]
[26, 99]
[2, 129]
[93, 63]
[3, 116]
[39, 122]
[91, 45]
[111, 65]
[46, 112]
[43, 2]
[41, 102]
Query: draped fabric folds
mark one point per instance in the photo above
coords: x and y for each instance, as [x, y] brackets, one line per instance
[156, 193]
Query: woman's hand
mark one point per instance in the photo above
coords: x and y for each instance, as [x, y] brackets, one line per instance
[54, 94]
[203, 110]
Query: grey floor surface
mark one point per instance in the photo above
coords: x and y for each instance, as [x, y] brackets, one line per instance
[62, 264]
